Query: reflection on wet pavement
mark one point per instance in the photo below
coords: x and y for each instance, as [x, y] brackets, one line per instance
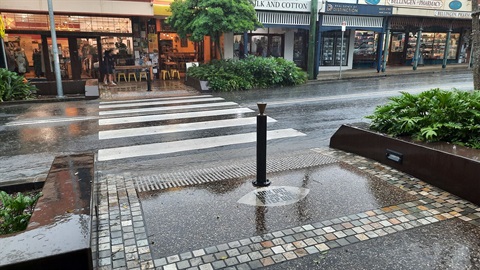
[208, 212]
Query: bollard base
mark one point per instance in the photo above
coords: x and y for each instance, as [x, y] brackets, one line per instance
[264, 183]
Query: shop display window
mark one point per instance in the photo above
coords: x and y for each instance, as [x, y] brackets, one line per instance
[266, 45]
[331, 51]
[398, 42]
[238, 47]
[71, 23]
[365, 47]
[432, 45]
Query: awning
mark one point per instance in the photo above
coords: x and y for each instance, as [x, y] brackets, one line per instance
[162, 7]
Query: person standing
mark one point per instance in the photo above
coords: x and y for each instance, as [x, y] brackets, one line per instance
[37, 63]
[22, 64]
[109, 65]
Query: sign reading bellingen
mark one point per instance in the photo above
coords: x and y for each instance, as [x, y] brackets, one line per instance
[301, 6]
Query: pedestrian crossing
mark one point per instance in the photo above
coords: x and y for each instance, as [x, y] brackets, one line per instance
[209, 122]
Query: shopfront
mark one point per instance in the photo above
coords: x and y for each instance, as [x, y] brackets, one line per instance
[81, 41]
[362, 40]
[284, 34]
[439, 39]
[174, 51]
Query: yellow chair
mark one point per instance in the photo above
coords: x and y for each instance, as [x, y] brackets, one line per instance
[120, 74]
[175, 73]
[130, 74]
[143, 74]
[165, 74]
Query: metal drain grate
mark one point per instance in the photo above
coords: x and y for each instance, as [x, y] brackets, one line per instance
[225, 172]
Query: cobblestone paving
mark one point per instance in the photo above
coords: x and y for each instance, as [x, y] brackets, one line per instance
[122, 242]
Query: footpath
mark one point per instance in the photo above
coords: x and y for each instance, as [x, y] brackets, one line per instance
[390, 71]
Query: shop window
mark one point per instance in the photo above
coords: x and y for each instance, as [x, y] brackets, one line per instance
[266, 45]
[71, 23]
[331, 51]
[238, 46]
[365, 48]
[397, 43]
[432, 45]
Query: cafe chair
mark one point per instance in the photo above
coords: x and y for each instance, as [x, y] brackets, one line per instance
[165, 74]
[175, 73]
[130, 74]
[143, 74]
[120, 74]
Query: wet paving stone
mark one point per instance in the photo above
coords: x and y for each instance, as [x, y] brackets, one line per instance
[210, 213]
[355, 209]
[452, 244]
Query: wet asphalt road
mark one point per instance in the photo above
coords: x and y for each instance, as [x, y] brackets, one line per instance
[33, 134]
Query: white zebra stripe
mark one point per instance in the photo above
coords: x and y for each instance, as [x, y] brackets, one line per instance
[156, 117]
[160, 102]
[168, 108]
[155, 130]
[152, 99]
[187, 145]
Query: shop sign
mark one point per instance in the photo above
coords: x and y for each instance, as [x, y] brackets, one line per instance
[432, 4]
[452, 14]
[353, 9]
[301, 6]
[162, 10]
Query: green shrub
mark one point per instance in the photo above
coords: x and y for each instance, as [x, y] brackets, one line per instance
[14, 86]
[433, 115]
[13, 217]
[248, 73]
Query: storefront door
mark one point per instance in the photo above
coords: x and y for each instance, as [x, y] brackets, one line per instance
[300, 48]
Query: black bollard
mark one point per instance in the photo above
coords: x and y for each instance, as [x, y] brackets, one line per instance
[149, 83]
[261, 180]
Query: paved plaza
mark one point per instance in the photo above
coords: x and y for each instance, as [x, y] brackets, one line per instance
[358, 214]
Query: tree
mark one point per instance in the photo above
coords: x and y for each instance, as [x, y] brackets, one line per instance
[476, 44]
[196, 19]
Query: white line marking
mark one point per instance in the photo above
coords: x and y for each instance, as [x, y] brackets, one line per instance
[144, 131]
[168, 108]
[187, 145]
[161, 102]
[156, 117]
[48, 121]
[151, 99]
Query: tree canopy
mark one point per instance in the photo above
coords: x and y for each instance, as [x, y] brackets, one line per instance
[196, 19]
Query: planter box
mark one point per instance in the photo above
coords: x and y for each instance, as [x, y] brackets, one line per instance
[59, 232]
[451, 168]
[201, 86]
[70, 87]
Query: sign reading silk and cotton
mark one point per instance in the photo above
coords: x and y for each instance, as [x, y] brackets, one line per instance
[430, 4]
[301, 6]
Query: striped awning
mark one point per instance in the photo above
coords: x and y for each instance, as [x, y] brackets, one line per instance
[162, 7]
